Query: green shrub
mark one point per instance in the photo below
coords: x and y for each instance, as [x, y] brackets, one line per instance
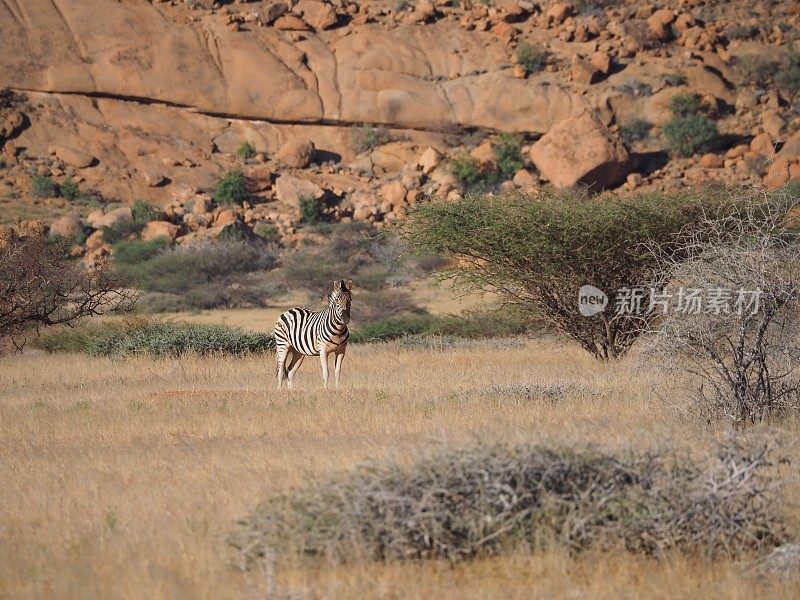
[757, 69]
[132, 252]
[695, 133]
[88, 199]
[368, 138]
[508, 154]
[635, 88]
[232, 233]
[674, 79]
[178, 270]
[310, 210]
[69, 189]
[536, 253]
[470, 172]
[246, 151]
[353, 250]
[143, 212]
[239, 292]
[232, 188]
[469, 325]
[635, 130]
[154, 338]
[394, 328]
[44, 187]
[267, 232]
[76, 339]
[740, 32]
[684, 105]
[532, 58]
[788, 76]
[122, 231]
[378, 305]
[486, 500]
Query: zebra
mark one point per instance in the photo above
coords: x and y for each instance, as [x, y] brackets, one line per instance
[301, 332]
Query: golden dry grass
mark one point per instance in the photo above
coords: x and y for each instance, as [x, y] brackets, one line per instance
[121, 479]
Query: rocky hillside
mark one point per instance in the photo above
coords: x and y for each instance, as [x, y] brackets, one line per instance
[365, 108]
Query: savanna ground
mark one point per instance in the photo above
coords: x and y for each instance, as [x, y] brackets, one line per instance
[123, 478]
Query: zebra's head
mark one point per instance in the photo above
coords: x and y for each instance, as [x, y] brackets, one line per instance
[339, 299]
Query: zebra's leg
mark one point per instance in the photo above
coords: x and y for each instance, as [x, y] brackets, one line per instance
[338, 366]
[294, 364]
[323, 357]
[280, 362]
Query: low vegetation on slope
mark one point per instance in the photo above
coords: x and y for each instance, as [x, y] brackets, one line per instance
[488, 500]
[212, 275]
[155, 338]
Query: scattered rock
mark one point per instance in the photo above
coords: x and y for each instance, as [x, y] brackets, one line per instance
[317, 14]
[10, 124]
[602, 62]
[484, 154]
[297, 153]
[226, 216]
[559, 12]
[429, 160]
[118, 216]
[67, 226]
[272, 12]
[394, 193]
[659, 23]
[763, 144]
[525, 179]
[772, 123]
[633, 181]
[711, 161]
[153, 178]
[95, 241]
[72, 156]
[155, 229]
[777, 174]
[290, 189]
[585, 73]
[291, 23]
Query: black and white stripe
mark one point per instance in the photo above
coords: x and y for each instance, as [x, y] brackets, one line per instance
[301, 332]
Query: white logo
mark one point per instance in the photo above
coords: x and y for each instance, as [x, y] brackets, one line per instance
[591, 300]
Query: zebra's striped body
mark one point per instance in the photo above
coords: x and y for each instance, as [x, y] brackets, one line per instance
[301, 332]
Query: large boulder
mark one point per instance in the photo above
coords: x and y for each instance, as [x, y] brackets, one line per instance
[118, 216]
[67, 226]
[157, 229]
[580, 150]
[394, 156]
[290, 189]
[72, 156]
[10, 123]
[297, 153]
[317, 14]
[272, 11]
[429, 160]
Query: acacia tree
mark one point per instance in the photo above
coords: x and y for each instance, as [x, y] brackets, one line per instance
[538, 251]
[39, 287]
[745, 347]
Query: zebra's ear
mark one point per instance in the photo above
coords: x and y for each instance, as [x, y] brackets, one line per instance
[349, 284]
[337, 285]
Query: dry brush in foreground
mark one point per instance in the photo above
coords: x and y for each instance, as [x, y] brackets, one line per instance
[488, 500]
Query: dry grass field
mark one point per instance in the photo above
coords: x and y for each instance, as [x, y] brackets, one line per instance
[122, 478]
